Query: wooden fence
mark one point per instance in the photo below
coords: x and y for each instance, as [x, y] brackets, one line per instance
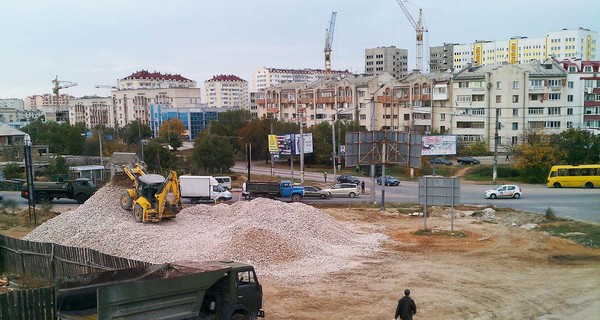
[45, 261]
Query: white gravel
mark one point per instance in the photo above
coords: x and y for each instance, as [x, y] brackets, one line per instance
[282, 240]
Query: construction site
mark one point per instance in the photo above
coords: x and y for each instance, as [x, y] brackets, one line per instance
[354, 262]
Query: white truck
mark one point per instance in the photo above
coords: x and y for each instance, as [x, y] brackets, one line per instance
[202, 189]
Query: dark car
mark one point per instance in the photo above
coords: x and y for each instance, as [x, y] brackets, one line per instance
[1, 197]
[441, 161]
[348, 178]
[315, 192]
[389, 181]
[468, 160]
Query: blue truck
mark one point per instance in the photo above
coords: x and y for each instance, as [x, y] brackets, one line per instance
[283, 190]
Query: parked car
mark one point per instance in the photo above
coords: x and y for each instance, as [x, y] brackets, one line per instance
[441, 161]
[389, 181]
[315, 192]
[504, 191]
[348, 178]
[350, 190]
[468, 160]
[1, 197]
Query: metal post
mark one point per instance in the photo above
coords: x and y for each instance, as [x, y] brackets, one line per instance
[271, 125]
[333, 152]
[495, 170]
[248, 157]
[302, 147]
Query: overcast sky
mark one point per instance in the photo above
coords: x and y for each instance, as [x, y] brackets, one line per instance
[100, 41]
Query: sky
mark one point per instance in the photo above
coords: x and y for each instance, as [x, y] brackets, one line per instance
[101, 41]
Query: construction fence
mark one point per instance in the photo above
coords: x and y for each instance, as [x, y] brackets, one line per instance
[45, 261]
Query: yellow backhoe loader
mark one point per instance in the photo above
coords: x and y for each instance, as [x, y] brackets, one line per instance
[154, 198]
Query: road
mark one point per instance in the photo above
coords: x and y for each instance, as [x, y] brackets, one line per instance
[573, 203]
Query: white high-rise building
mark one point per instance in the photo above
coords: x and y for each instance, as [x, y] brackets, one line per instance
[226, 91]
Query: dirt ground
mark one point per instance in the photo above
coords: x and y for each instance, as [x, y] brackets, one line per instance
[491, 268]
[497, 270]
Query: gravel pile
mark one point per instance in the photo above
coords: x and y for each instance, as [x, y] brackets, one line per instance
[281, 240]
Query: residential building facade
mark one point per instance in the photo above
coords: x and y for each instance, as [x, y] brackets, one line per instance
[265, 77]
[226, 91]
[386, 59]
[12, 103]
[91, 110]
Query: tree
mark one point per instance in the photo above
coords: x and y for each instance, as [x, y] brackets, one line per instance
[535, 155]
[158, 157]
[171, 131]
[12, 171]
[135, 131]
[212, 153]
[58, 166]
[577, 146]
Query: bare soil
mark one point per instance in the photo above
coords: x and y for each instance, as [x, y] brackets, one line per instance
[493, 270]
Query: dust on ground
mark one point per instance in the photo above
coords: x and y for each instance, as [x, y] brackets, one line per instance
[499, 268]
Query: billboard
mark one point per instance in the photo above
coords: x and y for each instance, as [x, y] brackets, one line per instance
[438, 145]
[285, 145]
[308, 143]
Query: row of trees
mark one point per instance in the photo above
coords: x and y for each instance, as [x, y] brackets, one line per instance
[217, 148]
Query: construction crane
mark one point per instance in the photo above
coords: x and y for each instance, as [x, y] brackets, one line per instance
[418, 26]
[104, 86]
[58, 84]
[328, 43]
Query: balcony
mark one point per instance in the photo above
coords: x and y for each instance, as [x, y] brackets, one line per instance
[536, 88]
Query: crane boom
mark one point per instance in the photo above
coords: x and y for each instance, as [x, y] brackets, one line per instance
[59, 84]
[418, 26]
[328, 43]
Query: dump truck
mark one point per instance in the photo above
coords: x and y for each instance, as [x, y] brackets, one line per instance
[210, 290]
[79, 189]
[274, 190]
[202, 189]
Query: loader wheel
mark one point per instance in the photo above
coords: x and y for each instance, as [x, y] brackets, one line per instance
[138, 213]
[238, 316]
[126, 201]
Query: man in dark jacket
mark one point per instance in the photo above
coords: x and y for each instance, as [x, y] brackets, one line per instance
[406, 307]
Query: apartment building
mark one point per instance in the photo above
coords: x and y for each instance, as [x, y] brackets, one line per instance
[12, 103]
[583, 90]
[138, 91]
[563, 44]
[265, 77]
[226, 91]
[48, 102]
[91, 110]
[510, 99]
[386, 59]
[441, 57]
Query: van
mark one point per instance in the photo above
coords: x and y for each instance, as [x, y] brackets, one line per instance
[225, 182]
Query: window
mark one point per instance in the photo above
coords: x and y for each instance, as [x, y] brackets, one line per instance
[570, 84]
[570, 111]
[534, 111]
[515, 98]
[515, 84]
[569, 124]
[498, 99]
[442, 116]
[515, 126]
[554, 110]
[552, 124]
[515, 112]
[570, 98]
[554, 82]
[514, 140]
[554, 96]
[407, 117]
[536, 83]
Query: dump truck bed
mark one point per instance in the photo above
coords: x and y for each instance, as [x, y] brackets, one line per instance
[166, 291]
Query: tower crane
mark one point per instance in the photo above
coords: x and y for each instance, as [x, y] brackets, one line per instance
[328, 43]
[418, 26]
[59, 84]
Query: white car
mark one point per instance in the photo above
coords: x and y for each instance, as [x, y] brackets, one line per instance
[504, 191]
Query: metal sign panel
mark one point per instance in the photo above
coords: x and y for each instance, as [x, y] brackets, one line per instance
[439, 145]
[434, 190]
[308, 143]
[383, 147]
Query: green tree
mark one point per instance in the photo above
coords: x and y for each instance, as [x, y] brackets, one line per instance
[12, 171]
[577, 147]
[135, 131]
[212, 154]
[58, 167]
[158, 157]
[256, 133]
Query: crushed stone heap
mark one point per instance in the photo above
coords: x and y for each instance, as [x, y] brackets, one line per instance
[280, 239]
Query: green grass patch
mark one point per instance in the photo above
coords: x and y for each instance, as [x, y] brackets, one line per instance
[445, 233]
[485, 173]
[582, 233]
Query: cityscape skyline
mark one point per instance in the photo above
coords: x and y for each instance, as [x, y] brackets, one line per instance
[103, 41]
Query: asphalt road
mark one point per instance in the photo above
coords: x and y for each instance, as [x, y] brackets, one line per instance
[574, 203]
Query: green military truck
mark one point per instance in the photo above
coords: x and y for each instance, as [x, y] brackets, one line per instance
[79, 189]
[211, 290]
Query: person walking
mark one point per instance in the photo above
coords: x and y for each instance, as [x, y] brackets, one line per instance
[325, 176]
[362, 186]
[406, 307]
